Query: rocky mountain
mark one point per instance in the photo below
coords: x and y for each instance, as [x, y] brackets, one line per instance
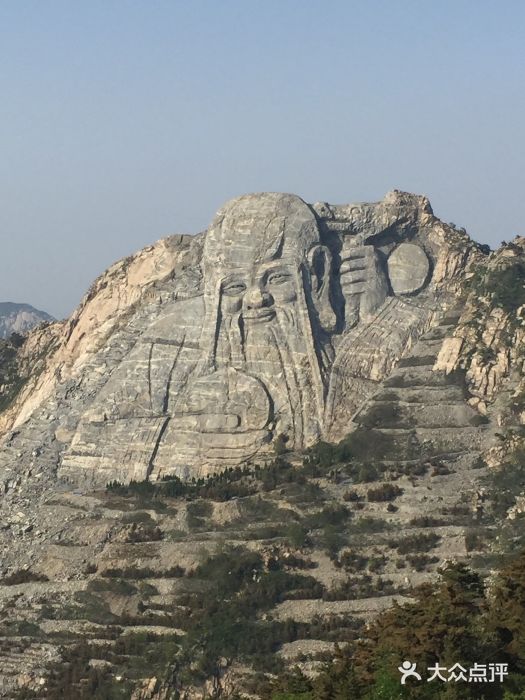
[19, 318]
[246, 443]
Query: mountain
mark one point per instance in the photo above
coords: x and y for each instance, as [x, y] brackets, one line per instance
[247, 444]
[19, 318]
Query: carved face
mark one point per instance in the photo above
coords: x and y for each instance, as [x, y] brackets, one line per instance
[257, 261]
[255, 248]
[256, 292]
[266, 298]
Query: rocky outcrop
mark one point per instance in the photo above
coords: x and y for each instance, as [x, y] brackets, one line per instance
[195, 354]
[20, 318]
[283, 320]
[488, 343]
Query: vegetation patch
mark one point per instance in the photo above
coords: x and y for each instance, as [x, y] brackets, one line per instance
[385, 492]
[422, 542]
[455, 620]
[22, 576]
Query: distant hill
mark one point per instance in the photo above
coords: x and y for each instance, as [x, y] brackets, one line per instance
[19, 318]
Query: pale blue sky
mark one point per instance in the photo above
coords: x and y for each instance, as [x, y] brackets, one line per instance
[124, 121]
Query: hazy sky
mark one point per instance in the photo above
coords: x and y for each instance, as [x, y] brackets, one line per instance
[124, 121]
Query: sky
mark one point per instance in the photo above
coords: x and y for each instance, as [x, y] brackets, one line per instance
[122, 122]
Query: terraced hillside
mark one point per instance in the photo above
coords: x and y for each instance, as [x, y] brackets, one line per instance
[225, 580]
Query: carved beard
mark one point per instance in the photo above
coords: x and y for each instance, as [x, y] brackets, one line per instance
[276, 353]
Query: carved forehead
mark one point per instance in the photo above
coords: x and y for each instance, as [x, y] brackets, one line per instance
[256, 228]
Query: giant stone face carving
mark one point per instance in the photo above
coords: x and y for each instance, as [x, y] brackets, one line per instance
[296, 321]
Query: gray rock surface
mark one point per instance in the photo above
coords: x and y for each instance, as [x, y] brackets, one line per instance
[194, 355]
[19, 318]
[280, 320]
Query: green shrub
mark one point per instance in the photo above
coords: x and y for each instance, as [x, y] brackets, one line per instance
[385, 415]
[478, 420]
[426, 521]
[334, 514]
[136, 517]
[419, 562]
[506, 286]
[360, 587]
[416, 361]
[506, 483]
[22, 576]
[518, 402]
[385, 492]
[352, 496]
[297, 535]
[146, 533]
[332, 540]
[351, 561]
[116, 586]
[475, 540]
[416, 543]
[197, 512]
[368, 525]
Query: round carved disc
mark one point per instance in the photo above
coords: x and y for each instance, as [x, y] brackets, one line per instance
[408, 268]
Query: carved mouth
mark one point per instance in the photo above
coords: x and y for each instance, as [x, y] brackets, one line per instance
[260, 316]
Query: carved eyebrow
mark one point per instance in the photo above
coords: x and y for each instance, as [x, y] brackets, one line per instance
[232, 278]
[277, 271]
[275, 266]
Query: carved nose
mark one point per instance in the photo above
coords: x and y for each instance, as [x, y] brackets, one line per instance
[256, 299]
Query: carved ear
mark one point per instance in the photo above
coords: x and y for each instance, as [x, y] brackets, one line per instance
[320, 267]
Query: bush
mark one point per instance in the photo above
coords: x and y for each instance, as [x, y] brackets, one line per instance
[368, 525]
[478, 420]
[475, 540]
[351, 561]
[197, 512]
[279, 444]
[417, 361]
[385, 492]
[362, 444]
[426, 521]
[366, 473]
[518, 402]
[332, 540]
[22, 576]
[419, 562]
[377, 564]
[507, 483]
[440, 470]
[351, 496]
[506, 286]
[147, 533]
[135, 573]
[416, 543]
[297, 535]
[383, 415]
[116, 586]
[134, 488]
[330, 515]
[360, 587]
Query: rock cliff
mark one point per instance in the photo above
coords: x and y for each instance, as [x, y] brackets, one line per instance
[489, 341]
[19, 318]
[253, 348]
[281, 319]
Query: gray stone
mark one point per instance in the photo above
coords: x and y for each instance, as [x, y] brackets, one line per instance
[408, 268]
[285, 325]
[20, 318]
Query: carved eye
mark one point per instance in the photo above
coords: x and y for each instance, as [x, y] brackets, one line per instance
[278, 277]
[233, 289]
